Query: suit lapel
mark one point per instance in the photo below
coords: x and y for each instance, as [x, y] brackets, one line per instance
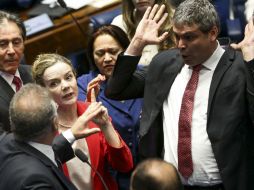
[25, 73]
[6, 92]
[47, 162]
[223, 65]
[93, 143]
[166, 80]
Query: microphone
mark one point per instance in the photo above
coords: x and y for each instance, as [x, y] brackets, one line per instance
[83, 157]
[63, 5]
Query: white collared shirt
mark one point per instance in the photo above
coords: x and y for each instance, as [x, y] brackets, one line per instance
[205, 169]
[9, 78]
[47, 149]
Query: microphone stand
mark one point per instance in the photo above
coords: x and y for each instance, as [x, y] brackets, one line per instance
[63, 5]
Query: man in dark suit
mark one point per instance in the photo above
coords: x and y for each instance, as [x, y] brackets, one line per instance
[219, 129]
[12, 37]
[27, 159]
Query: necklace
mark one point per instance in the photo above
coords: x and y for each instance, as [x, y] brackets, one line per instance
[65, 126]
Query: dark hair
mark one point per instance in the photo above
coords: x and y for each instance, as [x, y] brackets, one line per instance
[114, 31]
[199, 12]
[32, 112]
[13, 18]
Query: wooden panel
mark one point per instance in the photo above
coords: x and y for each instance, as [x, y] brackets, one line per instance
[65, 37]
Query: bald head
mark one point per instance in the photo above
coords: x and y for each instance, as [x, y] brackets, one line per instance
[155, 174]
[32, 112]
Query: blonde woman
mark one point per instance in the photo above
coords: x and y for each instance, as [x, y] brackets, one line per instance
[103, 149]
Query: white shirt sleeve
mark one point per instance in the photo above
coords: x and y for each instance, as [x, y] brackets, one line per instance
[69, 136]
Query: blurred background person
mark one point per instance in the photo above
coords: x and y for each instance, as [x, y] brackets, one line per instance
[156, 174]
[14, 5]
[249, 9]
[103, 49]
[12, 74]
[132, 13]
[103, 149]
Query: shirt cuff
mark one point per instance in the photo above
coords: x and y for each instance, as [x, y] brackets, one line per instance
[69, 136]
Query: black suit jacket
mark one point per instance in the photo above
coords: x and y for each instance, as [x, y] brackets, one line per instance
[24, 167]
[230, 112]
[7, 93]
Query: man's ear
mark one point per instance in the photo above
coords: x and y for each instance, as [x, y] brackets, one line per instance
[213, 33]
[55, 124]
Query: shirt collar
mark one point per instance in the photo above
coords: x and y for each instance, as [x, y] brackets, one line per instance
[45, 149]
[9, 77]
[214, 59]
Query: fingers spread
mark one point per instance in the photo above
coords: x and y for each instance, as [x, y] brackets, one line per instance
[159, 13]
[163, 19]
[153, 12]
[163, 36]
[147, 13]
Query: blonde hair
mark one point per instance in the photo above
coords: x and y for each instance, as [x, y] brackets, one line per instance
[44, 61]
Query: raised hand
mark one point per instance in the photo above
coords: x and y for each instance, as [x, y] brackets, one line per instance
[93, 88]
[247, 44]
[80, 129]
[147, 30]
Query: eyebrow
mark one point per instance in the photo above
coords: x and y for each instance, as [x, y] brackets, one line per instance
[52, 79]
[111, 48]
[15, 38]
[186, 33]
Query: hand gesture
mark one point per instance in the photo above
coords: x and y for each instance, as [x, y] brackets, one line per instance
[93, 88]
[247, 44]
[102, 118]
[103, 121]
[147, 30]
[80, 129]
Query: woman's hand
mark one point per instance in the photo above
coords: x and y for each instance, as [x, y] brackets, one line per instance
[247, 44]
[93, 88]
[102, 119]
[81, 129]
[147, 31]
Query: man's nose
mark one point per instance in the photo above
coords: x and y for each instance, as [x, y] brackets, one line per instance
[10, 49]
[181, 44]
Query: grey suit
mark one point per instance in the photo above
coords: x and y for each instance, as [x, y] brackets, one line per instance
[230, 112]
[7, 93]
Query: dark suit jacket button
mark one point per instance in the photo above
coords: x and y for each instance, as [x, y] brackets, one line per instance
[130, 144]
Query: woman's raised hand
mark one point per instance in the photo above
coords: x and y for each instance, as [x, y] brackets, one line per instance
[147, 31]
